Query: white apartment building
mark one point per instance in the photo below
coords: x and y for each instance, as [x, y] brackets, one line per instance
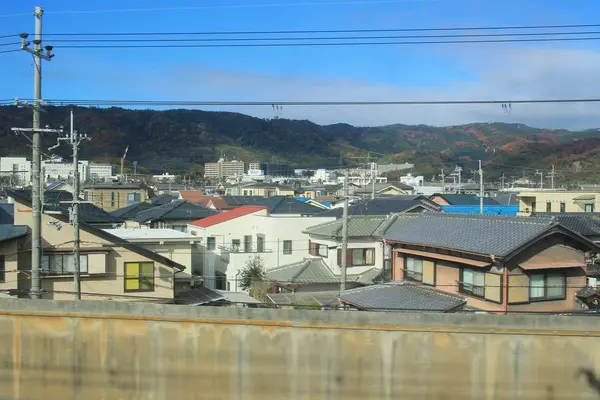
[16, 169]
[57, 170]
[224, 169]
[324, 177]
[164, 178]
[100, 172]
[231, 238]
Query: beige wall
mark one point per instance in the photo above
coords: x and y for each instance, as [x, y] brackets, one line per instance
[103, 197]
[106, 350]
[10, 250]
[555, 198]
[108, 277]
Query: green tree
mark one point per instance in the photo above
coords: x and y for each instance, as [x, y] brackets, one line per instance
[253, 271]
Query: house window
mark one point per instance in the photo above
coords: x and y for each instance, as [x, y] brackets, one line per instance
[133, 198]
[533, 206]
[548, 207]
[357, 257]
[317, 249]
[211, 243]
[235, 245]
[589, 208]
[2, 269]
[287, 247]
[113, 196]
[63, 264]
[248, 244]
[562, 207]
[139, 276]
[260, 244]
[549, 286]
[472, 282]
[414, 269]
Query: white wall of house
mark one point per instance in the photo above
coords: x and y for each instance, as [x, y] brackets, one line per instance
[276, 234]
[333, 245]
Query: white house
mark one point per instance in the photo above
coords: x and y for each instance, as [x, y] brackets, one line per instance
[16, 169]
[231, 238]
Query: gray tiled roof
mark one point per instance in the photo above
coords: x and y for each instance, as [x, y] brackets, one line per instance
[275, 204]
[130, 212]
[360, 226]
[7, 213]
[586, 224]
[402, 296]
[381, 206]
[8, 232]
[593, 269]
[175, 211]
[481, 234]
[321, 299]
[162, 199]
[315, 270]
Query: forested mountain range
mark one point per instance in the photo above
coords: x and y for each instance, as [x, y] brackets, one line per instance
[185, 139]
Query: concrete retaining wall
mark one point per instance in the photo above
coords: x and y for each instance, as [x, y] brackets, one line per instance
[105, 350]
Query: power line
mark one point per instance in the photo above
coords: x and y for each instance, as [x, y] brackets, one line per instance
[10, 51]
[172, 40]
[58, 102]
[314, 31]
[9, 36]
[155, 46]
[10, 44]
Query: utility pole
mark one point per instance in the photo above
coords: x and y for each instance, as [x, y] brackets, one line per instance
[75, 140]
[502, 178]
[344, 234]
[551, 176]
[541, 174]
[457, 173]
[481, 188]
[443, 181]
[36, 228]
[372, 180]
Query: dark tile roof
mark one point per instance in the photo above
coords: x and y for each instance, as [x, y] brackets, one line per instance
[275, 204]
[26, 200]
[130, 212]
[162, 199]
[198, 296]
[113, 186]
[465, 199]
[360, 226]
[174, 211]
[60, 201]
[593, 269]
[382, 206]
[586, 224]
[480, 234]
[402, 296]
[316, 271]
[305, 299]
[8, 232]
[7, 213]
[382, 186]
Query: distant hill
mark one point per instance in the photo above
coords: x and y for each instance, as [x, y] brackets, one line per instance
[181, 139]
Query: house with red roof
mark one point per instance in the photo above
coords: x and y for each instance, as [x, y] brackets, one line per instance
[230, 238]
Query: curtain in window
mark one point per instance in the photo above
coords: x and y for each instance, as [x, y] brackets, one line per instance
[358, 257]
[556, 285]
[370, 256]
[536, 286]
[478, 283]
[467, 280]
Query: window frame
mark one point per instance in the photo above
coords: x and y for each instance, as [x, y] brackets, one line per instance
[563, 207]
[548, 206]
[211, 243]
[591, 206]
[260, 244]
[287, 247]
[54, 272]
[545, 297]
[350, 261]
[408, 272]
[248, 245]
[461, 286]
[139, 277]
[235, 247]
[2, 269]
[316, 249]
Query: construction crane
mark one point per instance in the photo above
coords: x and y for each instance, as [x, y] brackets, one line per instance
[123, 163]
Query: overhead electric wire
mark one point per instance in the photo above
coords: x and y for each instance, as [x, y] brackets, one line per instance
[10, 44]
[320, 38]
[9, 36]
[309, 103]
[315, 31]
[9, 51]
[322, 44]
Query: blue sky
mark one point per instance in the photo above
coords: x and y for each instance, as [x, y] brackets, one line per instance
[426, 72]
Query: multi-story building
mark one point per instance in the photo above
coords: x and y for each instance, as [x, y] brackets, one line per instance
[224, 169]
[111, 197]
[535, 201]
[254, 165]
[58, 170]
[17, 170]
[100, 172]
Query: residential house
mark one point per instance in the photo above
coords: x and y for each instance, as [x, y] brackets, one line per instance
[259, 189]
[13, 252]
[128, 214]
[183, 248]
[233, 237]
[111, 197]
[318, 191]
[558, 201]
[384, 189]
[175, 215]
[305, 300]
[500, 264]
[198, 197]
[60, 185]
[402, 296]
[203, 296]
[170, 188]
[385, 205]
[276, 205]
[111, 268]
[162, 199]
